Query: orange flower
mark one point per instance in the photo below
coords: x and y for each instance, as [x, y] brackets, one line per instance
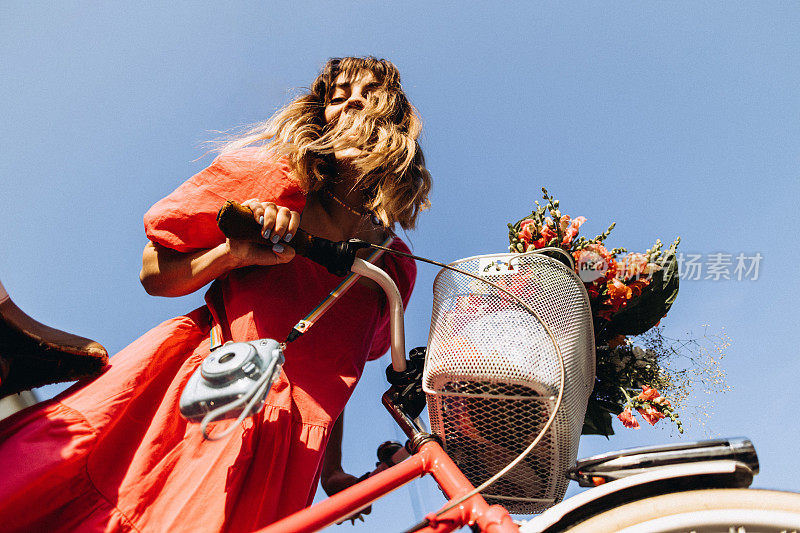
[594, 264]
[618, 294]
[638, 285]
[662, 402]
[548, 233]
[563, 223]
[627, 419]
[528, 229]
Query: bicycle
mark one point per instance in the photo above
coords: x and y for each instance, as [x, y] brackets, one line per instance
[700, 486]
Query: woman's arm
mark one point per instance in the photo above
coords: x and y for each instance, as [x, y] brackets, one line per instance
[167, 272]
[332, 460]
[333, 477]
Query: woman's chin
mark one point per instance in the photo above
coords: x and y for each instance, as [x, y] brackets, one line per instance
[347, 153]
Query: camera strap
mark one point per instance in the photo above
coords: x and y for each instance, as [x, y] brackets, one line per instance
[315, 314]
[216, 335]
[218, 318]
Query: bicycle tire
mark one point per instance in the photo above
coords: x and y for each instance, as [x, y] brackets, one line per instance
[701, 511]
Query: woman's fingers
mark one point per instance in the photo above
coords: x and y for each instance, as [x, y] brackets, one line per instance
[267, 219]
[277, 222]
[256, 207]
[282, 219]
[273, 254]
[283, 254]
[249, 253]
[286, 224]
[294, 224]
[278, 225]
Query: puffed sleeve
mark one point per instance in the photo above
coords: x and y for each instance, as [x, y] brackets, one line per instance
[186, 220]
[403, 271]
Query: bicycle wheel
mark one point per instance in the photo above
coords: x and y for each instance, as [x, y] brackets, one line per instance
[702, 511]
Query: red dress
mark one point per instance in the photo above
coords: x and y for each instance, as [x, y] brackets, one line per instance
[115, 455]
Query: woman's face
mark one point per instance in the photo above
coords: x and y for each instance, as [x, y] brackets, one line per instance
[349, 96]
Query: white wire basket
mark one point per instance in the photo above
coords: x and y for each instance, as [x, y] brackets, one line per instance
[492, 373]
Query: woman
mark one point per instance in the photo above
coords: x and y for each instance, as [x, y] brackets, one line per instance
[341, 161]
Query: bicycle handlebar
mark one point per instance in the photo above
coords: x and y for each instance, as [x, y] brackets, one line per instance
[237, 222]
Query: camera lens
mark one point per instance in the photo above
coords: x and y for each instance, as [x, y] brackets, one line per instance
[225, 363]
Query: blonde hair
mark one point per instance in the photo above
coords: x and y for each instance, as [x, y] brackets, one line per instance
[390, 166]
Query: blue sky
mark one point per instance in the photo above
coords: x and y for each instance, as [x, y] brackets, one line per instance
[669, 118]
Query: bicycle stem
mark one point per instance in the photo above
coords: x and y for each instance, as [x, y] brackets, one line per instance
[406, 423]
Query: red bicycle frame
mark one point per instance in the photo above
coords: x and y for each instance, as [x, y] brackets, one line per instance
[430, 459]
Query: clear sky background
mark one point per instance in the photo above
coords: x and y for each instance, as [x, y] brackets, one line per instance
[671, 119]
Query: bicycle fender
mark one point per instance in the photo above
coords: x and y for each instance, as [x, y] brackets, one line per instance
[661, 480]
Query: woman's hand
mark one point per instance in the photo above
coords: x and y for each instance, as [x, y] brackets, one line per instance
[166, 272]
[278, 225]
[333, 482]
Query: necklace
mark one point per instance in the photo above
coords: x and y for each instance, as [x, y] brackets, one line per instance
[352, 210]
[339, 201]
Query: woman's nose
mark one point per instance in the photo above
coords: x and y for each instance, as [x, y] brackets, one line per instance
[356, 101]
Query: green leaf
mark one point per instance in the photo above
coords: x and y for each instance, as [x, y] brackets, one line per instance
[597, 420]
[645, 311]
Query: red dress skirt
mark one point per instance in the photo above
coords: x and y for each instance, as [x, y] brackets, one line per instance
[115, 454]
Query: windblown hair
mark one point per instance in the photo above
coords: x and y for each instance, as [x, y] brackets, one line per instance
[391, 166]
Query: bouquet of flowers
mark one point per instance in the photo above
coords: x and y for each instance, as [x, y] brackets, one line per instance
[629, 294]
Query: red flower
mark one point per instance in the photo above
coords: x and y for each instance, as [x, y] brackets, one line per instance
[528, 229]
[571, 230]
[627, 419]
[525, 231]
[648, 394]
[548, 233]
[651, 414]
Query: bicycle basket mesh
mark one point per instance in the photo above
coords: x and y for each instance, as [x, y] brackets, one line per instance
[492, 374]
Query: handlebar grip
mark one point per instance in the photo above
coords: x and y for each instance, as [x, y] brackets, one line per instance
[237, 222]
